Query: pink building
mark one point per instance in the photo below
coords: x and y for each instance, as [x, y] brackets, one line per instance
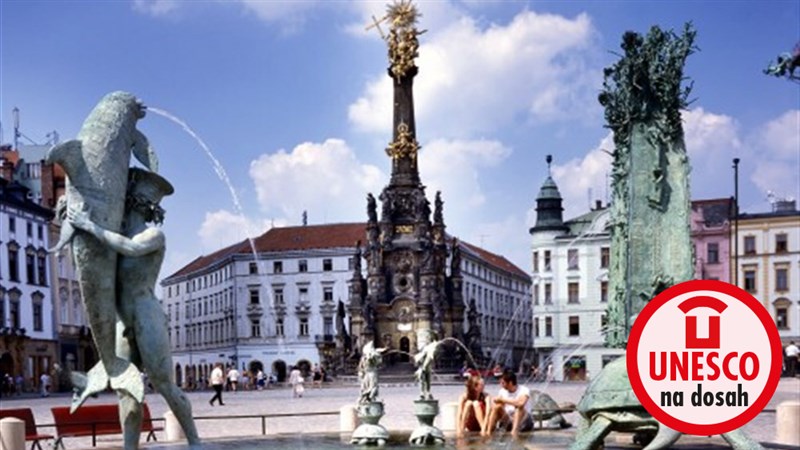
[710, 227]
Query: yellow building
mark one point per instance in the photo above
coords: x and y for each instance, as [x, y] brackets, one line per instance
[767, 263]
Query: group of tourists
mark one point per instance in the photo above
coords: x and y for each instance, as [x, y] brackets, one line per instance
[233, 381]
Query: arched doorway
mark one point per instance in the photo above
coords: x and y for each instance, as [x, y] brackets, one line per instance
[6, 364]
[405, 349]
[254, 366]
[178, 375]
[304, 366]
[279, 369]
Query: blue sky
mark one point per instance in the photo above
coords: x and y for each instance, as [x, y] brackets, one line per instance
[293, 99]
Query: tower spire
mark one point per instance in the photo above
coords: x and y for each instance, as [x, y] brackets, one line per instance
[403, 49]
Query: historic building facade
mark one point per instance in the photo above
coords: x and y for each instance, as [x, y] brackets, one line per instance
[571, 260]
[710, 230]
[45, 182]
[27, 337]
[768, 263]
[283, 308]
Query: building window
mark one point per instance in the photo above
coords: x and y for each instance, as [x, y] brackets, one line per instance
[327, 294]
[781, 243]
[572, 259]
[279, 327]
[30, 267]
[604, 291]
[548, 294]
[548, 326]
[351, 263]
[781, 279]
[255, 298]
[253, 268]
[572, 293]
[605, 257]
[535, 294]
[574, 326]
[277, 295]
[303, 294]
[12, 225]
[712, 253]
[277, 267]
[255, 328]
[29, 229]
[536, 327]
[327, 265]
[40, 232]
[38, 322]
[603, 323]
[42, 266]
[13, 313]
[782, 313]
[750, 280]
[327, 326]
[302, 265]
[547, 260]
[535, 262]
[749, 245]
[304, 326]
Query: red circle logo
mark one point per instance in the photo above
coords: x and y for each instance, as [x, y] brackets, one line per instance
[704, 357]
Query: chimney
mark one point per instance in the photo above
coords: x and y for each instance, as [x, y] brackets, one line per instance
[598, 204]
[784, 206]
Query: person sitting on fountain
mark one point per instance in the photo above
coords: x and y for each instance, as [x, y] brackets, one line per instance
[510, 409]
[473, 405]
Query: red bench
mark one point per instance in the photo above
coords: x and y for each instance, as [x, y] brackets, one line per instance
[26, 415]
[96, 420]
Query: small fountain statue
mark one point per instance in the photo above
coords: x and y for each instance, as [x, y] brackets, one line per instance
[370, 409]
[426, 408]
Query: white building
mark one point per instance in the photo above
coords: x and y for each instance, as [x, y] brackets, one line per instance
[570, 288]
[768, 263]
[279, 310]
[27, 336]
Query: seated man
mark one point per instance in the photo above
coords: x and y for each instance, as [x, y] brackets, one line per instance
[510, 408]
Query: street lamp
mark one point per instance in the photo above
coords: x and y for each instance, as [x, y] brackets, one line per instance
[736, 221]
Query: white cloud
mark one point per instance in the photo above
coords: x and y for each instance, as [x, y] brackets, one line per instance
[290, 14]
[507, 237]
[711, 142]
[155, 7]
[577, 176]
[455, 168]
[222, 228]
[777, 161]
[474, 79]
[326, 179]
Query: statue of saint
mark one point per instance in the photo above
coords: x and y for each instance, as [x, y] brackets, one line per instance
[455, 259]
[372, 208]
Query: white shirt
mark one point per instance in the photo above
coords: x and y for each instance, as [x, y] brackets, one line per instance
[519, 392]
[233, 375]
[295, 377]
[216, 376]
[792, 351]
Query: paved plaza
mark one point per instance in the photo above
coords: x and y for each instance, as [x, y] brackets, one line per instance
[216, 422]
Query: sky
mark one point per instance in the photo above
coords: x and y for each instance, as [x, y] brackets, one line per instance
[293, 101]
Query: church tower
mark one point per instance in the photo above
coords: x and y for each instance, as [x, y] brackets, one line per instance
[407, 299]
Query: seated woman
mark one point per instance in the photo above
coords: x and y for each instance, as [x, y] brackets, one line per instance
[473, 405]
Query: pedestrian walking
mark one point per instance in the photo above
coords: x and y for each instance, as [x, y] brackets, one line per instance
[217, 381]
[792, 354]
[233, 378]
[296, 381]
